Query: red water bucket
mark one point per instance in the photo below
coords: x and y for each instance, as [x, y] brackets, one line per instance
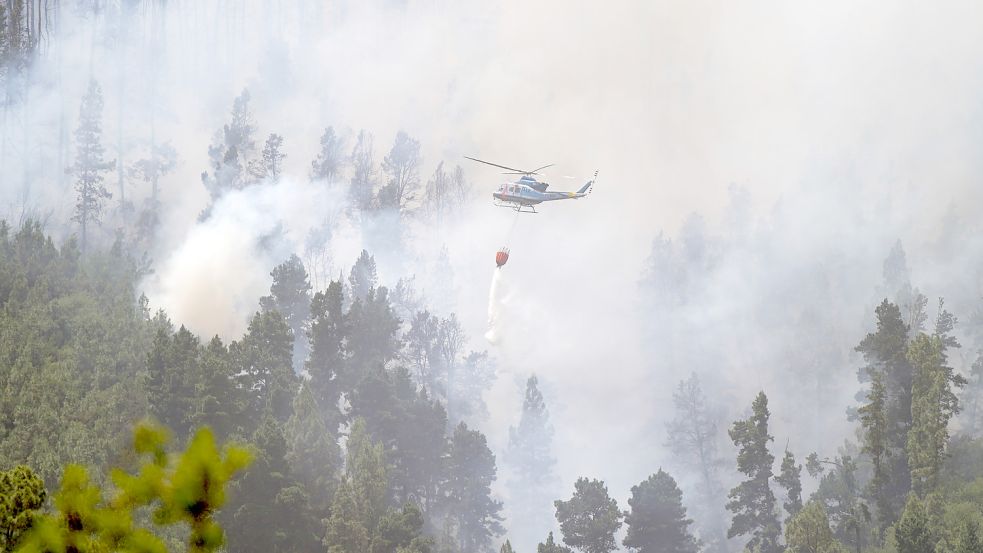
[502, 256]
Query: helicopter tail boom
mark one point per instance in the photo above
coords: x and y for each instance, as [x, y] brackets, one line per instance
[587, 186]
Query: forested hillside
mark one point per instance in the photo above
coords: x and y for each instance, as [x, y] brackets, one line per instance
[243, 292]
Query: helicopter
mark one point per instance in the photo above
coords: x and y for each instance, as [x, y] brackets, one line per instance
[524, 194]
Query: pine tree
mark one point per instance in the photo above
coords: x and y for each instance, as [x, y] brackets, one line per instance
[470, 471]
[934, 403]
[790, 478]
[271, 512]
[185, 490]
[326, 362]
[808, 531]
[589, 519]
[162, 159]
[531, 460]
[657, 521]
[692, 438]
[360, 500]
[363, 276]
[885, 352]
[411, 428]
[839, 492]
[328, 163]
[89, 163]
[290, 294]
[692, 433]
[873, 419]
[264, 367]
[552, 547]
[506, 547]
[373, 337]
[270, 163]
[913, 532]
[231, 150]
[968, 540]
[401, 165]
[313, 451]
[22, 496]
[752, 501]
[363, 171]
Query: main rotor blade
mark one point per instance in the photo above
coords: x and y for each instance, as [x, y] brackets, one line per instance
[519, 171]
[535, 171]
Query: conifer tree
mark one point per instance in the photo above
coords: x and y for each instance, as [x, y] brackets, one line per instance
[22, 496]
[808, 531]
[470, 471]
[657, 520]
[328, 163]
[270, 163]
[231, 150]
[550, 546]
[401, 166]
[590, 518]
[290, 294]
[360, 500]
[913, 532]
[873, 419]
[968, 540]
[752, 501]
[313, 452]
[186, 490]
[885, 352]
[363, 171]
[326, 362]
[531, 460]
[270, 511]
[89, 163]
[934, 403]
[790, 478]
[692, 438]
[363, 275]
[264, 366]
[506, 547]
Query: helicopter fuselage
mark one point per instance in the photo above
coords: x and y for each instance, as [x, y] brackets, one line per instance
[528, 191]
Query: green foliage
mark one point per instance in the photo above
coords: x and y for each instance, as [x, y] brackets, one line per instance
[530, 458]
[885, 352]
[313, 452]
[839, 492]
[466, 490]
[808, 531]
[73, 341]
[873, 418]
[506, 547]
[89, 164]
[551, 546]
[969, 539]
[186, 489]
[271, 510]
[934, 403]
[400, 531]
[752, 501]
[263, 359]
[589, 519]
[411, 428]
[361, 497]
[290, 294]
[913, 532]
[657, 520]
[22, 494]
[790, 478]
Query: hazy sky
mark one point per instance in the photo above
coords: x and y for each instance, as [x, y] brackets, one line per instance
[848, 124]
